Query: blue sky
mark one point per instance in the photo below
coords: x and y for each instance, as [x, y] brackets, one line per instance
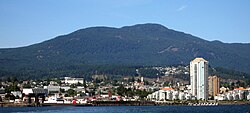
[25, 22]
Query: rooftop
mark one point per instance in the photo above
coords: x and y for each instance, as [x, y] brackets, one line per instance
[240, 88]
[167, 88]
[199, 59]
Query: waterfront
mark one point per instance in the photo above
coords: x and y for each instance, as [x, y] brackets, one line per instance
[130, 109]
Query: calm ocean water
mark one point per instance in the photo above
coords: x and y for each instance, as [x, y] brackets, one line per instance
[131, 109]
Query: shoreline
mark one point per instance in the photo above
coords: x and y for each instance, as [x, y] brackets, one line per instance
[131, 103]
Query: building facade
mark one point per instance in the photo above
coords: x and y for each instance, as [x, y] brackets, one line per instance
[213, 85]
[199, 78]
[162, 95]
[69, 80]
[169, 94]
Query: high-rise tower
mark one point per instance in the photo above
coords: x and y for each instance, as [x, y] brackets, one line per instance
[199, 78]
[213, 85]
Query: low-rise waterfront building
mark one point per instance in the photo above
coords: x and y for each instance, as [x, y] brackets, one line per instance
[236, 94]
[52, 89]
[168, 94]
[2, 93]
[17, 93]
[65, 88]
[70, 80]
[34, 95]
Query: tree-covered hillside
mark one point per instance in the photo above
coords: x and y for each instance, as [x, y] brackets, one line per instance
[84, 50]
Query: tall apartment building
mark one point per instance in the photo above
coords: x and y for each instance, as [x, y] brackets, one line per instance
[213, 85]
[199, 78]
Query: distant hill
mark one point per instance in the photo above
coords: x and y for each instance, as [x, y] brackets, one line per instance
[138, 45]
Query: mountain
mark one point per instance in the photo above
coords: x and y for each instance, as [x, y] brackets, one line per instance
[138, 45]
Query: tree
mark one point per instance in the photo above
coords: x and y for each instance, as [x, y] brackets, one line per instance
[73, 86]
[84, 84]
[146, 82]
[138, 80]
[62, 90]
[121, 90]
[114, 82]
[79, 84]
[71, 92]
[9, 96]
[58, 81]
[133, 79]
[97, 80]
[12, 87]
[27, 85]
[141, 93]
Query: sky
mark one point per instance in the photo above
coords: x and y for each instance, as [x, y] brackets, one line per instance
[26, 22]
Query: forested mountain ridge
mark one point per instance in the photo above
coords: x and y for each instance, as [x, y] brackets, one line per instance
[138, 45]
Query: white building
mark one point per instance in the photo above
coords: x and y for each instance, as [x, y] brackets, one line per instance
[55, 89]
[168, 94]
[199, 78]
[17, 93]
[65, 88]
[69, 80]
[162, 95]
[237, 94]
